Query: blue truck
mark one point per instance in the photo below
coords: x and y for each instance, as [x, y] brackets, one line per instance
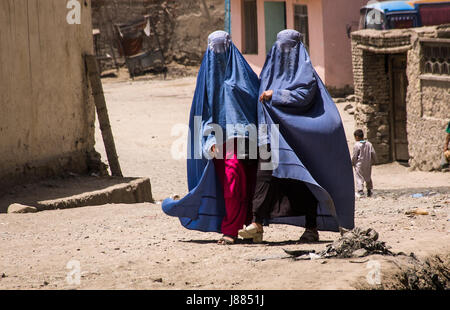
[404, 14]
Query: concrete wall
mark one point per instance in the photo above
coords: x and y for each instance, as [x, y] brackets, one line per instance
[427, 100]
[337, 15]
[46, 117]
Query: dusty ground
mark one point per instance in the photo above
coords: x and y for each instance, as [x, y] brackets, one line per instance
[137, 246]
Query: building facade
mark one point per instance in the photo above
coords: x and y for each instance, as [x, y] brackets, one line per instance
[402, 89]
[325, 24]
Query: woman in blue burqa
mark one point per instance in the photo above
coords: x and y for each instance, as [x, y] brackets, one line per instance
[304, 175]
[223, 128]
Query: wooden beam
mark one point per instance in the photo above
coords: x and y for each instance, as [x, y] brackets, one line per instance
[102, 112]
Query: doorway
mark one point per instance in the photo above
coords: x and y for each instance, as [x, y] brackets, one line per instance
[398, 119]
[275, 21]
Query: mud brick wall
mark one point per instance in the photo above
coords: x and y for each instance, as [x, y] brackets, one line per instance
[428, 111]
[377, 40]
[427, 100]
[182, 26]
[372, 87]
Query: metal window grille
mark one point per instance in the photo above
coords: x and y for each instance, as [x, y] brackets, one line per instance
[436, 58]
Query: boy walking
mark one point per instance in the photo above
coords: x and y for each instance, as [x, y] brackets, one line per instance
[363, 158]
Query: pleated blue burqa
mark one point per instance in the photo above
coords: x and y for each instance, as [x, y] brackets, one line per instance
[312, 146]
[226, 94]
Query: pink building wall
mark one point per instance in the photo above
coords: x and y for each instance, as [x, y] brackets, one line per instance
[330, 48]
[337, 14]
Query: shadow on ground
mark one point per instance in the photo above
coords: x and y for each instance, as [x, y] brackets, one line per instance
[267, 243]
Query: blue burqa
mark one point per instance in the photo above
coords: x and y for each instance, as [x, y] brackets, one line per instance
[312, 146]
[226, 94]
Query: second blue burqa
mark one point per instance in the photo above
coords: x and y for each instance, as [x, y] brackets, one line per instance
[312, 145]
[226, 94]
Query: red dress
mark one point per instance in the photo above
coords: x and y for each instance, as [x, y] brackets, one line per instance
[238, 180]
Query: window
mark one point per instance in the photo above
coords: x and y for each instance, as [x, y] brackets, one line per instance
[301, 22]
[436, 58]
[250, 27]
[274, 20]
[401, 21]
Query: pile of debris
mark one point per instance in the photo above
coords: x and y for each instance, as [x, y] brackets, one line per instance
[354, 243]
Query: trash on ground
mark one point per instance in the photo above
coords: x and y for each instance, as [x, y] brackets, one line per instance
[417, 212]
[352, 244]
[424, 194]
[299, 252]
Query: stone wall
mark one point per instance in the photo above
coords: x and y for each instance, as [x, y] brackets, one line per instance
[427, 100]
[428, 108]
[46, 116]
[372, 92]
[182, 26]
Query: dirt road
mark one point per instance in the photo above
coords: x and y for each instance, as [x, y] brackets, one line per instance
[137, 246]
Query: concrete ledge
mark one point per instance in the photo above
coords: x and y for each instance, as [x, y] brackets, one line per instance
[136, 191]
[76, 191]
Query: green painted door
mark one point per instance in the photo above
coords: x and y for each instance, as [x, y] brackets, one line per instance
[275, 19]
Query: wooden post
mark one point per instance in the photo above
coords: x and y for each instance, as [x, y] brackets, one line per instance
[102, 112]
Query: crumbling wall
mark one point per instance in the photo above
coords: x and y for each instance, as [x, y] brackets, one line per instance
[182, 26]
[428, 109]
[427, 101]
[46, 117]
[372, 86]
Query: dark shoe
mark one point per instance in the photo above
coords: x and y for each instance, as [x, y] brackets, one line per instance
[309, 236]
[369, 193]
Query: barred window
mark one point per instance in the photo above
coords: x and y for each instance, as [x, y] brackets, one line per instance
[436, 58]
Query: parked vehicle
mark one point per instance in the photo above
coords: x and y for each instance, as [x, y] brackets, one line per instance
[404, 14]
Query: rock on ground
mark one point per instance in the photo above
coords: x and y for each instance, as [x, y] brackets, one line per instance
[19, 208]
